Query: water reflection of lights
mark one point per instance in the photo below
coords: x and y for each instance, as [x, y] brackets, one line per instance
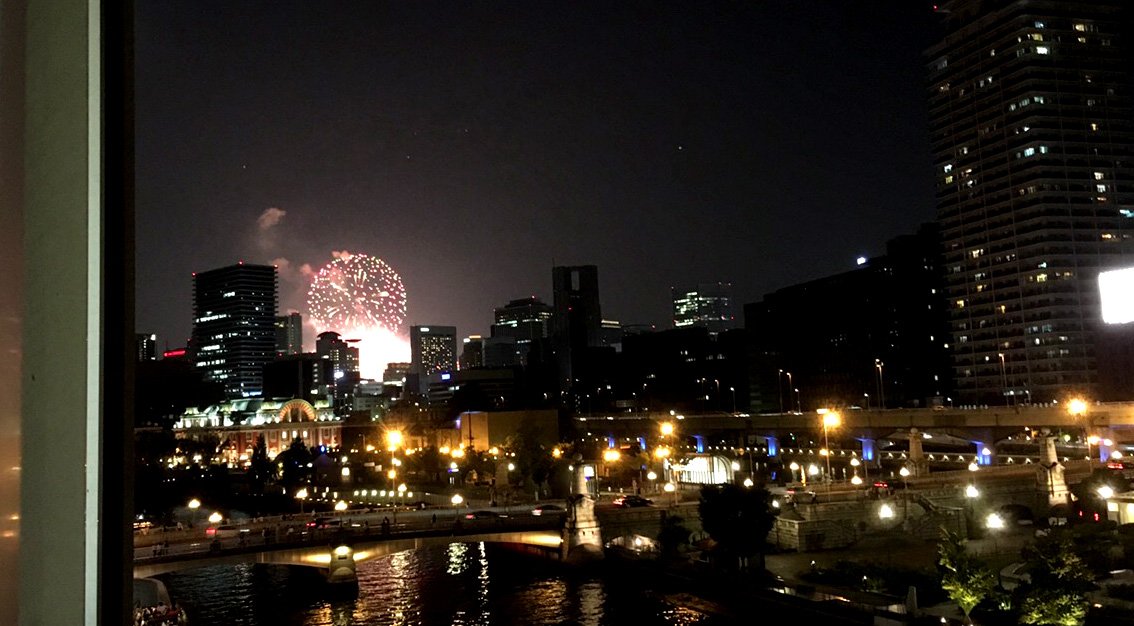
[482, 586]
[457, 558]
[591, 600]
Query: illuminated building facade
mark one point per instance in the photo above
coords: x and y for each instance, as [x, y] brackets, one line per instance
[433, 351]
[234, 325]
[526, 320]
[238, 423]
[1032, 132]
[289, 334]
[707, 304]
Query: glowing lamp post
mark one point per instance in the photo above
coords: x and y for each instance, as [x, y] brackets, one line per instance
[194, 504]
[301, 495]
[456, 500]
[393, 440]
[216, 517]
[831, 419]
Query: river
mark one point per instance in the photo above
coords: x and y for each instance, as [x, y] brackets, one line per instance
[459, 584]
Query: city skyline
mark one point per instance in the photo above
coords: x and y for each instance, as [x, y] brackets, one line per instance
[664, 160]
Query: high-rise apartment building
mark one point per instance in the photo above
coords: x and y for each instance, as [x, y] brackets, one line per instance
[289, 334]
[234, 333]
[707, 304]
[1033, 140]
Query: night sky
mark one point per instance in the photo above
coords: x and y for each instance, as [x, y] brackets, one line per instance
[472, 145]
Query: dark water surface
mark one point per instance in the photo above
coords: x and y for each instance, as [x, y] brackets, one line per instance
[459, 584]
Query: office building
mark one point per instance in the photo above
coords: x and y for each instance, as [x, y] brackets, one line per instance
[526, 320]
[870, 337]
[289, 334]
[234, 333]
[433, 349]
[708, 305]
[472, 352]
[1033, 147]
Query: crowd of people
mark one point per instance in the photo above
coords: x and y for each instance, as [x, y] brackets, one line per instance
[160, 615]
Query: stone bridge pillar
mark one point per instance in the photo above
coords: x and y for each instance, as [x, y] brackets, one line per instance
[1051, 472]
[341, 569]
[917, 463]
[582, 535]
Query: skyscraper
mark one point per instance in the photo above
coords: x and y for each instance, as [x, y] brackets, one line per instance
[707, 304]
[289, 334]
[1033, 141]
[577, 320]
[234, 334]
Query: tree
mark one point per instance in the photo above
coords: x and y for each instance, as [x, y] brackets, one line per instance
[260, 470]
[533, 461]
[295, 461]
[737, 518]
[673, 535]
[1059, 581]
[966, 579]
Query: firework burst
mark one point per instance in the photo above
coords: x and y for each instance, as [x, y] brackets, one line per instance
[361, 297]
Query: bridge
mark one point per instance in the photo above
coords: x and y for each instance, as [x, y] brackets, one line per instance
[982, 427]
[575, 534]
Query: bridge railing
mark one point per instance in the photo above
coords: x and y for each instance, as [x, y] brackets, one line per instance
[299, 536]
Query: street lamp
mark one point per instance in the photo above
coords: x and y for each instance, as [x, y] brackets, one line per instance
[994, 521]
[194, 503]
[670, 488]
[456, 500]
[341, 505]
[831, 419]
[301, 495]
[748, 482]
[865, 468]
[885, 512]
[794, 467]
[881, 388]
[666, 429]
[393, 439]
[1105, 491]
[216, 517]
[971, 492]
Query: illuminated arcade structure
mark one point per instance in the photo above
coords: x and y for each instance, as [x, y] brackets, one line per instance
[280, 421]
